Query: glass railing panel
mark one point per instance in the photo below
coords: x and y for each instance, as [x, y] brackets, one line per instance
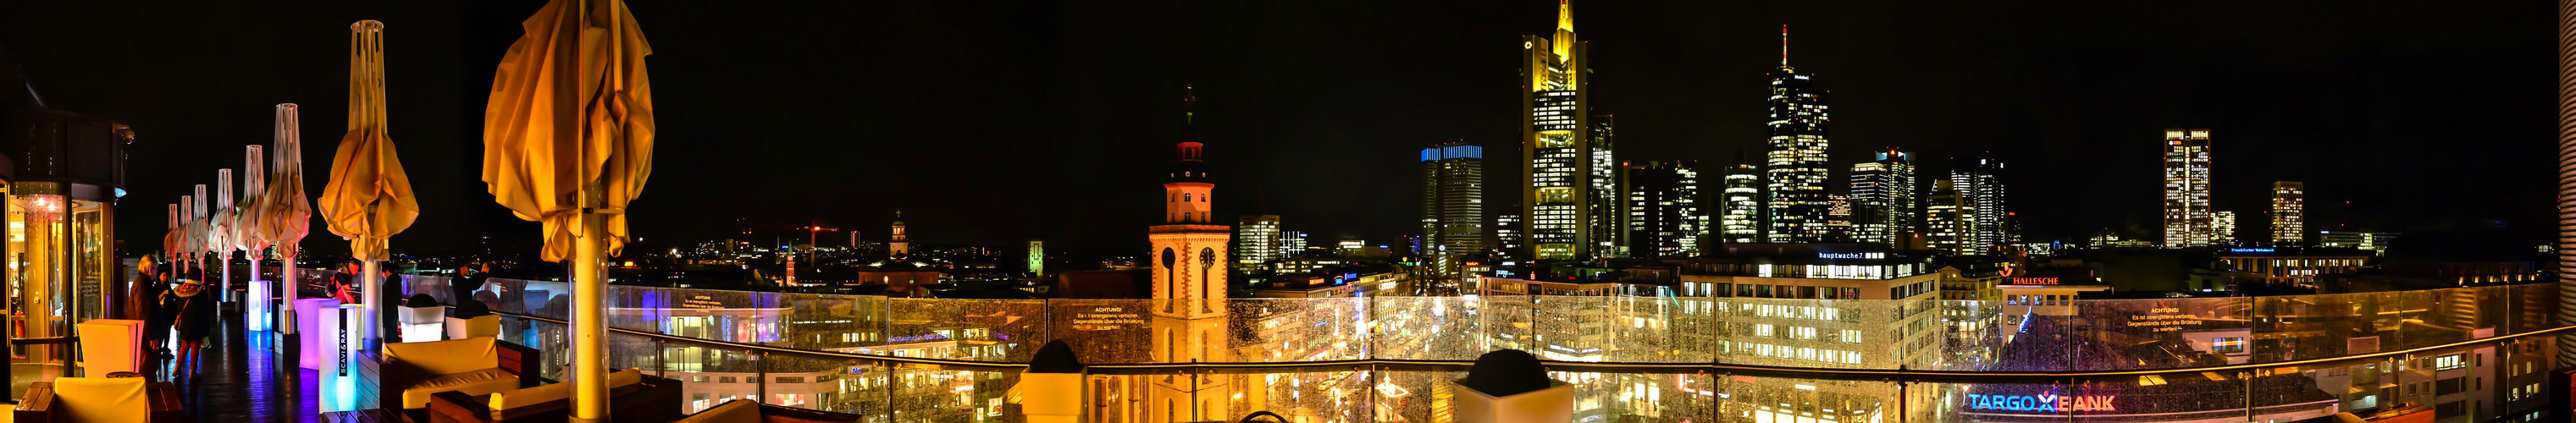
[546, 299]
[1752, 398]
[2320, 326]
[626, 351]
[2435, 317]
[2157, 333]
[1433, 328]
[1850, 334]
[1638, 396]
[1297, 329]
[1115, 331]
[1617, 329]
[1972, 335]
[1414, 396]
[835, 385]
[554, 348]
[840, 323]
[947, 395]
[728, 316]
[440, 288]
[1337, 395]
[962, 329]
[1509, 322]
[2532, 307]
[710, 375]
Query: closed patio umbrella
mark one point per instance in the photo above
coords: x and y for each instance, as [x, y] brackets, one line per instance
[369, 198]
[283, 213]
[246, 236]
[568, 141]
[219, 233]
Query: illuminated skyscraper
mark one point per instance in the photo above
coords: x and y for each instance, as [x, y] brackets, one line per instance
[1663, 209]
[1557, 151]
[1884, 205]
[1981, 189]
[1453, 204]
[2289, 213]
[1740, 206]
[2188, 220]
[2223, 224]
[1507, 234]
[1798, 204]
[1950, 222]
[1838, 218]
[1256, 241]
[1606, 231]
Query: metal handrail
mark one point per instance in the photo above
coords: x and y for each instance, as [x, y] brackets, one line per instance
[1887, 375]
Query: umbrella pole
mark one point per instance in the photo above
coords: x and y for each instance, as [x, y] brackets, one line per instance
[286, 274]
[589, 321]
[227, 292]
[375, 280]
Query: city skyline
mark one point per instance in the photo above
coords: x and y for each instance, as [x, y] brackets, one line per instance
[1679, 96]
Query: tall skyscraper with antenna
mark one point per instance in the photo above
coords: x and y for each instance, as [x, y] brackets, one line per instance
[1557, 153]
[1798, 205]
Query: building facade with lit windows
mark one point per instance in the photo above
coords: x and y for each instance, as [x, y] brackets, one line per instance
[2188, 219]
[1256, 242]
[1740, 205]
[2289, 213]
[1557, 152]
[1883, 201]
[1664, 217]
[2293, 266]
[1777, 304]
[2225, 224]
[1606, 210]
[1797, 167]
[1981, 193]
[2374, 242]
[1949, 222]
[1453, 205]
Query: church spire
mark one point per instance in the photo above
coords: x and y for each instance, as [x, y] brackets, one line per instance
[1565, 15]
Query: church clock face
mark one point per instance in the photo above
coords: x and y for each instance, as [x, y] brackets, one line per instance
[1207, 258]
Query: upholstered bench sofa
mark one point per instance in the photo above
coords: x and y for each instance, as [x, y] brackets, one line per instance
[413, 371]
[633, 397]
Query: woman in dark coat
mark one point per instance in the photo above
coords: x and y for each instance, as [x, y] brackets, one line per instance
[157, 316]
[194, 313]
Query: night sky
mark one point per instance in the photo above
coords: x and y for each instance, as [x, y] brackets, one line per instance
[993, 123]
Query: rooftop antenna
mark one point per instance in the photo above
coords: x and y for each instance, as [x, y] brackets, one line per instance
[1784, 45]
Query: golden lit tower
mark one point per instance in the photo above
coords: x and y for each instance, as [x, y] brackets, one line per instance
[900, 245]
[1557, 156]
[1189, 267]
[1189, 247]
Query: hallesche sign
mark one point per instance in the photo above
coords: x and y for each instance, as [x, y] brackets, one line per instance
[2045, 402]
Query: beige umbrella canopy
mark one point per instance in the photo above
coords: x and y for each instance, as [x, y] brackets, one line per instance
[283, 212]
[548, 132]
[246, 235]
[369, 198]
[568, 141]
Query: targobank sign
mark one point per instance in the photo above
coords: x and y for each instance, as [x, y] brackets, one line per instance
[2048, 402]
